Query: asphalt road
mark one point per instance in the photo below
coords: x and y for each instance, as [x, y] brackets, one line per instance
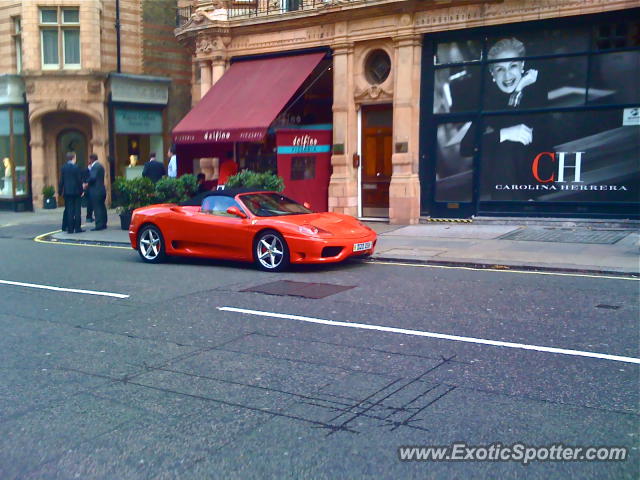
[164, 384]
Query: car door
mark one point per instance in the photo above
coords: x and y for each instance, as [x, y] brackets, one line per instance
[220, 234]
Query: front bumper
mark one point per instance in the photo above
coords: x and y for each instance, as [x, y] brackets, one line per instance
[327, 250]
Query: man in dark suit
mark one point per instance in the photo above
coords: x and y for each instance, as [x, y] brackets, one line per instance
[153, 169]
[70, 186]
[97, 192]
[86, 195]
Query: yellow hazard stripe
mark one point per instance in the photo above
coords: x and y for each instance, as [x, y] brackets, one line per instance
[450, 220]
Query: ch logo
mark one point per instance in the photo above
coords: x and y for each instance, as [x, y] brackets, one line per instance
[562, 166]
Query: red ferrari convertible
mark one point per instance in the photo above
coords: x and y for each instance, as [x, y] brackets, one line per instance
[266, 228]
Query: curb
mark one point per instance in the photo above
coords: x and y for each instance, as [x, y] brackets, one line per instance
[49, 238]
[501, 267]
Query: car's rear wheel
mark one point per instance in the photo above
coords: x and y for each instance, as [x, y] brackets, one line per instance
[271, 253]
[151, 244]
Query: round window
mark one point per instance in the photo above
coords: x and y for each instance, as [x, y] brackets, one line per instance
[377, 67]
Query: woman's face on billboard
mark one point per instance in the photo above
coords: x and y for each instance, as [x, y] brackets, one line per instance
[507, 75]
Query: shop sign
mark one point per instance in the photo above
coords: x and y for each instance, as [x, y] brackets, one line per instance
[145, 122]
[133, 89]
[305, 143]
[304, 162]
[631, 117]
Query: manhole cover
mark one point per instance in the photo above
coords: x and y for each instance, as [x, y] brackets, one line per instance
[566, 236]
[298, 289]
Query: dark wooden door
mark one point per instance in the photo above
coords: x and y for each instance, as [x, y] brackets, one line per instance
[377, 129]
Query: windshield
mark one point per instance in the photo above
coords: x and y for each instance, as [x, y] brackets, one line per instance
[272, 205]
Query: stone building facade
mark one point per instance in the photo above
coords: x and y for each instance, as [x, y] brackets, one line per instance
[70, 66]
[217, 32]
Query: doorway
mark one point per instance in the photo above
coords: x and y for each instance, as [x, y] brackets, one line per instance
[72, 141]
[376, 169]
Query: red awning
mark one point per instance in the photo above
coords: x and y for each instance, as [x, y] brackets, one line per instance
[243, 103]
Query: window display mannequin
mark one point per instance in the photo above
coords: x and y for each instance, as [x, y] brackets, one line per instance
[7, 185]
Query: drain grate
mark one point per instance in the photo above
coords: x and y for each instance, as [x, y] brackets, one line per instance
[608, 307]
[560, 235]
[299, 289]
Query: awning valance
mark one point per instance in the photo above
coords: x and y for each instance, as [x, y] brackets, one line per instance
[245, 101]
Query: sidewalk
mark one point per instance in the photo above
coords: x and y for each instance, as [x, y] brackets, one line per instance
[581, 248]
[533, 244]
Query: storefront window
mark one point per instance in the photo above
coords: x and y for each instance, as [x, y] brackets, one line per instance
[6, 167]
[458, 52]
[614, 78]
[259, 157]
[454, 166]
[138, 134]
[557, 41]
[596, 160]
[13, 154]
[457, 89]
[556, 82]
[303, 168]
[550, 114]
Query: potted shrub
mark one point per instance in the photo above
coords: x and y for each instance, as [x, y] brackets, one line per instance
[189, 184]
[49, 194]
[131, 194]
[256, 180]
[175, 190]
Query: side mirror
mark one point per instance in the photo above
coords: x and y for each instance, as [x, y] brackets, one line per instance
[236, 211]
[307, 205]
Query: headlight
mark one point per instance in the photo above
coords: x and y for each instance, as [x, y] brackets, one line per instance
[308, 229]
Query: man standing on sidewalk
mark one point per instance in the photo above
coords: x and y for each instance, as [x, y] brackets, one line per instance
[86, 195]
[70, 187]
[153, 169]
[97, 192]
[172, 169]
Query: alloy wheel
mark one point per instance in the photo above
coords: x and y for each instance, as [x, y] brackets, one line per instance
[150, 244]
[270, 251]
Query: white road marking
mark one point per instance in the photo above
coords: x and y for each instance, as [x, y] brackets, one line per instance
[61, 289]
[504, 270]
[419, 333]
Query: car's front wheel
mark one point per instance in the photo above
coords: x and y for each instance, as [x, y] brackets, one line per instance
[151, 244]
[271, 253]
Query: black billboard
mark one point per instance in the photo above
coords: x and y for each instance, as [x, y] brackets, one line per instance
[538, 115]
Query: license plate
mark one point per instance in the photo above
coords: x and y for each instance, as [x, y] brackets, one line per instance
[358, 247]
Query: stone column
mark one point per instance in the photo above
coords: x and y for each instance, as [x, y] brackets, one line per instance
[218, 67]
[205, 76]
[38, 168]
[343, 187]
[404, 191]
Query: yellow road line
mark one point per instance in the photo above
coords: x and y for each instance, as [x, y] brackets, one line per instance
[502, 270]
[41, 239]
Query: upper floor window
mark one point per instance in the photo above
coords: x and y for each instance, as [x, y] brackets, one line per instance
[17, 42]
[60, 37]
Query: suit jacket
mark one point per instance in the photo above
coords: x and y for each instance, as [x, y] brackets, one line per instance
[96, 180]
[70, 180]
[153, 170]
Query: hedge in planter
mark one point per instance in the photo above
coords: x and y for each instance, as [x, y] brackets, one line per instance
[256, 180]
[175, 190]
[131, 194]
